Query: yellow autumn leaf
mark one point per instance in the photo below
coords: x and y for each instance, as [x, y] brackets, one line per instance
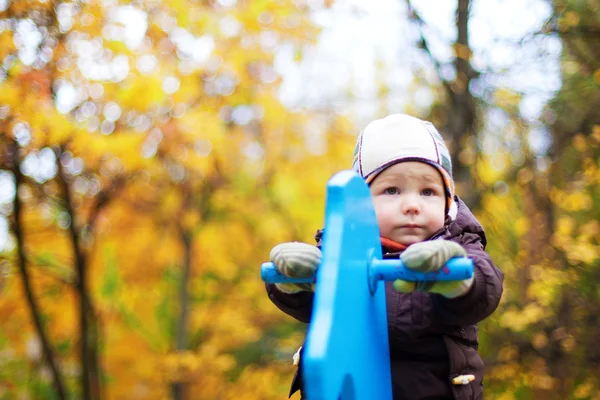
[139, 92]
[9, 94]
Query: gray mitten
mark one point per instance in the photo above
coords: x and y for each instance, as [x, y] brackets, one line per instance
[296, 260]
[430, 256]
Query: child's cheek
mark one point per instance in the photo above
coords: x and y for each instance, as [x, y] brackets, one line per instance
[380, 213]
[384, 221]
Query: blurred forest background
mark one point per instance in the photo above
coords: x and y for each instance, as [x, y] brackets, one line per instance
[149, 160]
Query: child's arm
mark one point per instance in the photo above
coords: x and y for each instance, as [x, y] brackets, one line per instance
[297, 260]
[484, 295]
[297, 305]
[463, 302]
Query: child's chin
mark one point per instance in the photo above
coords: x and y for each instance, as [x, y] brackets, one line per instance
[408, 241]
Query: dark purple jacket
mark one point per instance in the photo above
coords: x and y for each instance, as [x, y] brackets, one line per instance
[432, 339]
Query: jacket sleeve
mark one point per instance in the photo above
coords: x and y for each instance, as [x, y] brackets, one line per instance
[297, 305]
[483, 297]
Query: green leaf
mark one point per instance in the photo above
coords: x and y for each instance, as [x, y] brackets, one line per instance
[112, 281]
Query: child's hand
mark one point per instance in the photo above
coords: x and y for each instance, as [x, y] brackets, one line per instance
[296, 260]
[430, 256]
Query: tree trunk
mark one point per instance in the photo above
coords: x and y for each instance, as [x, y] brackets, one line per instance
[17, 229]
[178, 389]
[461, 109]
[455, 117]
[90, 371]
[181, 340]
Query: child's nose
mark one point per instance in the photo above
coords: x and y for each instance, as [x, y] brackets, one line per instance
[411, 204]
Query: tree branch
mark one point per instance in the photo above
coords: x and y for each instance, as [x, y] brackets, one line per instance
[424, 44]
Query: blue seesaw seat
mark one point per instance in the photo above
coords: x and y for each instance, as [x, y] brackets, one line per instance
[346, 354]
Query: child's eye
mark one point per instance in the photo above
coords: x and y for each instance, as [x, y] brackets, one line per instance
[428, 192]
[391, 190]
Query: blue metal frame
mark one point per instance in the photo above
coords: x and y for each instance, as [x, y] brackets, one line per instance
[346, 354]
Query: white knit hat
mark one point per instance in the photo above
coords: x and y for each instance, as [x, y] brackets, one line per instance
[397, 138]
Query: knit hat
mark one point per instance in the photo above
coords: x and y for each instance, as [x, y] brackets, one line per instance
[397, 138]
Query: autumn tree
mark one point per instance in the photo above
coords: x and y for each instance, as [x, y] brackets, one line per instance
[538, 205]
[152, 166]
[544, 215]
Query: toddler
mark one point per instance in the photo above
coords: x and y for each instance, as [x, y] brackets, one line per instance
[432, 326]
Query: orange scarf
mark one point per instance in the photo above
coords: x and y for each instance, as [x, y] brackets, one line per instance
[391, 245]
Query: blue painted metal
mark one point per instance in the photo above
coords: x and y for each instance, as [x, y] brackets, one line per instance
[389, 270]
[346, 353]
[270, 274]
[383, 270]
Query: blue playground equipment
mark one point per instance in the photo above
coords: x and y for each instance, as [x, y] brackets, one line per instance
[346, 354]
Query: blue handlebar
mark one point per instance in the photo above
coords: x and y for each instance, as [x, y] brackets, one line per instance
[456, 269]
[270, 274]
[385, 270]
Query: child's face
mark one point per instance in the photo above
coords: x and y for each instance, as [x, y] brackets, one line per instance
[409, 201]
